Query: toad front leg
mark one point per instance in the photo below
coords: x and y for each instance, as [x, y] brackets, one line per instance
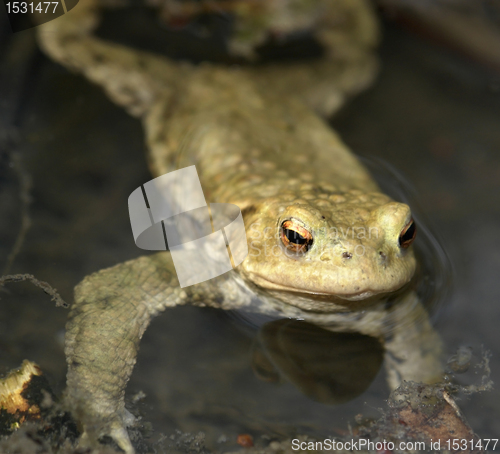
[413, 348]
[112, 310]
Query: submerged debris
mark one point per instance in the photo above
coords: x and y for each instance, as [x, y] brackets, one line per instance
[429, 414]
[182, 442]
[418, 416]
[460, 361]
[23, 394]
[31, 420]
[470, 27]
[426, 414]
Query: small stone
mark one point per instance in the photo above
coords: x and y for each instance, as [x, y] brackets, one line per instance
[245, 440]
[138, 396]
[460, 361]
[222, 439]
[275, 445]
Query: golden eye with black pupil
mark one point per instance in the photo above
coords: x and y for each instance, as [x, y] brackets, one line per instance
[295, 237]
[408, 234]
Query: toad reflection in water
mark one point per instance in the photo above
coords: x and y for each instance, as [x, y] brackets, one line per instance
[257, 142]
[329, 367]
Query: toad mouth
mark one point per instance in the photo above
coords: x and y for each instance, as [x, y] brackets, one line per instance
[355, 296]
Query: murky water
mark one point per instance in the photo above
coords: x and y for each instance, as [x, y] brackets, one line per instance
[431, 115]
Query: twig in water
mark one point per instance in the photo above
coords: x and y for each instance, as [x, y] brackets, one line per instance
[47, 288]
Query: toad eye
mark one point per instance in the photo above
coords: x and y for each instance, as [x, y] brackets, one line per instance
[408, 234]
[295, 237]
